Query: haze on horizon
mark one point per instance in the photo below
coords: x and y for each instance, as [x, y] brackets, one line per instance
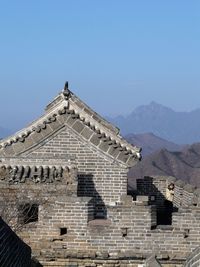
[115, 54]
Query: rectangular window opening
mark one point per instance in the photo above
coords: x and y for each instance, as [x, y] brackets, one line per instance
[28, 213]
[63, 231]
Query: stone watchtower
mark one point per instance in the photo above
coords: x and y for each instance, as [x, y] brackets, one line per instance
[65, 175]
[63, 189]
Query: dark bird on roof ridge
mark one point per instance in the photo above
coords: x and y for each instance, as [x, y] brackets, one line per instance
[66, 86]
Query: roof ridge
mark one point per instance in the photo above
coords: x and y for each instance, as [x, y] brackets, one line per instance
[81, 118]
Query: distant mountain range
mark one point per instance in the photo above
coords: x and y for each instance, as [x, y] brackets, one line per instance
[184, 165]
[178, 127]
[150, 143]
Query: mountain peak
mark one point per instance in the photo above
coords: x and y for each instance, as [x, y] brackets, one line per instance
[162, 121]
[152, 107]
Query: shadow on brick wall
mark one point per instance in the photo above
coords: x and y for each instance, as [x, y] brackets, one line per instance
[86, 188]
[164, 207]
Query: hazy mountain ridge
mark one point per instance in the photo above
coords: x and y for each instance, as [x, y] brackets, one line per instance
[184, 165]
[178, 127]
[151, 143]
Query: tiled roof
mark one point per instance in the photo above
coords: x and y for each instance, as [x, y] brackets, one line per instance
[68, 109]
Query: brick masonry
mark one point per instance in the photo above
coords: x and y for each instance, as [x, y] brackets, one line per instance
[98, 174]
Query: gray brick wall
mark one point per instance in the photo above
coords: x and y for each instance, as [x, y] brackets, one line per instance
[130, 229]
[99, 174]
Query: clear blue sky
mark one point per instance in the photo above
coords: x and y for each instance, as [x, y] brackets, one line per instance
[116, 54]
